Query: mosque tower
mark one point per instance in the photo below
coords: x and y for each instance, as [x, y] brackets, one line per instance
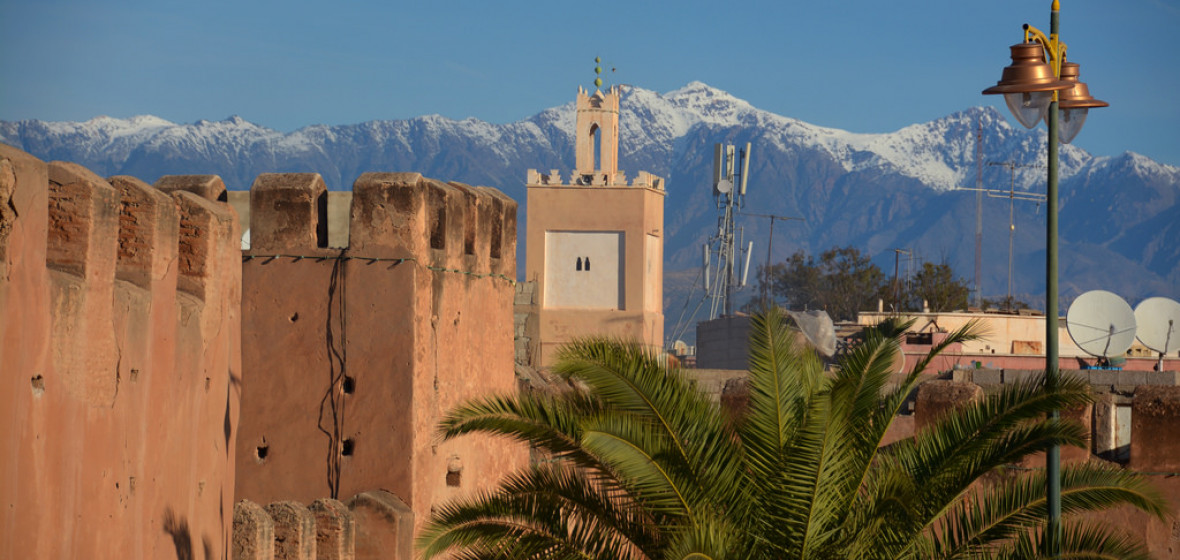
[595, 244]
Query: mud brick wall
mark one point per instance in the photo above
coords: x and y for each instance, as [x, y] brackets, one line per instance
[118, 391]
[352, 356]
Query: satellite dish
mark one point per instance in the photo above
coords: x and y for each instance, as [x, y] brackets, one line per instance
[1159, 324]
[818, 328]
[1101, 324]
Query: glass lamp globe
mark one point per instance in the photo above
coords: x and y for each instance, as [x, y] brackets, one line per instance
[1029, 107]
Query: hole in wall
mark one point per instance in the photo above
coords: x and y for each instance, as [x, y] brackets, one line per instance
[294, 317]
[349, 385]
[346, 447]
[134, 375]
[223, 197]
[454, 479]
[261, 452]
[38, 383]
[207, 383]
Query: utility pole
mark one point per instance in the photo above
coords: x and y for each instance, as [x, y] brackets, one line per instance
[769, 244]
[896, 286]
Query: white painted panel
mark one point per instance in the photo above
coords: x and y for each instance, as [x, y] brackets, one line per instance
[584, 269]
[652, 280]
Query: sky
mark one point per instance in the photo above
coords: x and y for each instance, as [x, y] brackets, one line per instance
[858, 65]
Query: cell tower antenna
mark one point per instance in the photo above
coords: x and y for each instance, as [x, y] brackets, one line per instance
[730, 174]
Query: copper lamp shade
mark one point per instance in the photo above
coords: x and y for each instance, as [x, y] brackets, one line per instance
[1078, 96]
[1028, 84]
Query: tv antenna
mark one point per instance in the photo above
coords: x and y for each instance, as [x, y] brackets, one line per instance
[730, 171]
[1158, 319]
[769, 244]
[1101, 324]
[1012, 196]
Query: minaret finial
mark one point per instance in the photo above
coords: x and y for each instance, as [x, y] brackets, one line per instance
[597, 73]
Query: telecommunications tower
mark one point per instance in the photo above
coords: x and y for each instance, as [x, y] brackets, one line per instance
[723, 247]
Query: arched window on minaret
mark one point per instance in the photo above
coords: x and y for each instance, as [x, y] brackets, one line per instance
[596, 141]
[587, 264]
[579, 265]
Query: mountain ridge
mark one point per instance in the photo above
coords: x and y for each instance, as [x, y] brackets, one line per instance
[877, 191]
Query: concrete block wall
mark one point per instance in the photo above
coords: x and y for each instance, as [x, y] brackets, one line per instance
[373, 525]
[351, 356]
[119, 365]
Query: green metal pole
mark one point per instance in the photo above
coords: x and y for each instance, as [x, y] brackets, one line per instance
[1053, 456]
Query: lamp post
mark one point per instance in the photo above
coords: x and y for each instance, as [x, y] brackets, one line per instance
[1035, 90]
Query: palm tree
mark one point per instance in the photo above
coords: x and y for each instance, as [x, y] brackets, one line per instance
[641, 464]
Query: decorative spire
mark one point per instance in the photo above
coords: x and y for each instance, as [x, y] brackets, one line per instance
[597, 73]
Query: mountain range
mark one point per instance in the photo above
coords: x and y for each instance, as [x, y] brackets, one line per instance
[1120, 221]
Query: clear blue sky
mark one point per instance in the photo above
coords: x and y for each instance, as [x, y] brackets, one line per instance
[865, 66]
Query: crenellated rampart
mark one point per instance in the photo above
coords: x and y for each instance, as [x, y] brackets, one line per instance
[119, 365]
[353, 354]
[370, 525]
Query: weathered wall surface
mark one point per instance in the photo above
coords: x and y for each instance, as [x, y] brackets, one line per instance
[352, 356]
[119, 364]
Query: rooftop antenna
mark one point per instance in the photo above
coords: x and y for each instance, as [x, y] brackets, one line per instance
[769, 244]
[729, 192]
[1012, 197]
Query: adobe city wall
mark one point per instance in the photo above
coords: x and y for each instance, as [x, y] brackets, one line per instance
[352, 355]
[119, 363]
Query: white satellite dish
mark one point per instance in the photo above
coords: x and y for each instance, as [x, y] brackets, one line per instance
[1159, 324]
[1101, 324]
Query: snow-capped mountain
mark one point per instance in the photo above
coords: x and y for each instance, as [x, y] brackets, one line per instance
[1120, 221]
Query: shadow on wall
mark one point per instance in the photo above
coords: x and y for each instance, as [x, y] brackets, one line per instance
[182, 538]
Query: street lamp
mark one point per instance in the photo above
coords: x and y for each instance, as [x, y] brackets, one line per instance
[1041, 85]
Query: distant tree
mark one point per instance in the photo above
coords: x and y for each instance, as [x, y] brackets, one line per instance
[937, 286]
[842, 282]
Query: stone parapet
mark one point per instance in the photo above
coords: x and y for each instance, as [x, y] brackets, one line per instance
[118, 397]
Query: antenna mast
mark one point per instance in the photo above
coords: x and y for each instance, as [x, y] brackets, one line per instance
[729, 192]
[979, 212]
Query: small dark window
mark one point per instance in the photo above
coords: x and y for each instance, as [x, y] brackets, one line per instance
[924, 339]
[579, 265]
[587, 263]
[346, 447]
[453, 479]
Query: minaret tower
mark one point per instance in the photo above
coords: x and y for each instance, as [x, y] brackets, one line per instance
[595, 245]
